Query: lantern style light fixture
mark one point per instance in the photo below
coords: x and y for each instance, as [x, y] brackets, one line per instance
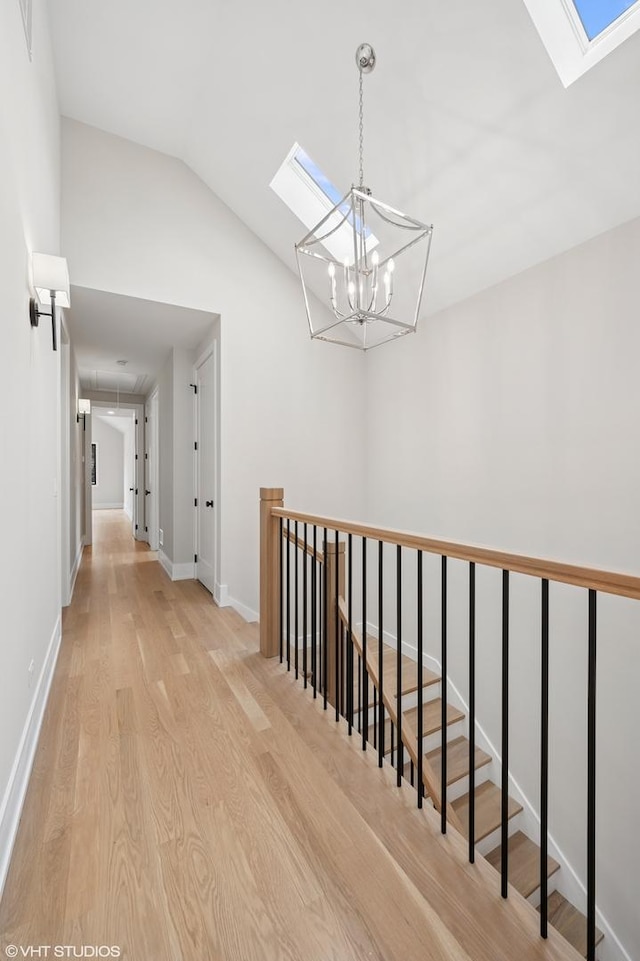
[363, 266]
[51, 282]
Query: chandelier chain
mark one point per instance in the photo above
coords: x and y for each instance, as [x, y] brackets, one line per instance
[361, 143]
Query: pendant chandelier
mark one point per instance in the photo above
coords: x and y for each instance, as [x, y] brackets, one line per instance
[363, 266]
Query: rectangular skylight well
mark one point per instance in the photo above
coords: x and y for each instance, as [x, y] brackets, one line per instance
[579, 33]
[311, 195]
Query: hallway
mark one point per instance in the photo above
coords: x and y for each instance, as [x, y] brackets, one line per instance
[189, 802]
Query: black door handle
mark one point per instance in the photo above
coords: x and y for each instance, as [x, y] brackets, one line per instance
[147, 492]
[208, 503]
[131, 488]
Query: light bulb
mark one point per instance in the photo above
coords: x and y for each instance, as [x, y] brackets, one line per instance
[332, 270]
[352, 288]
[375, 259]
[391, 266]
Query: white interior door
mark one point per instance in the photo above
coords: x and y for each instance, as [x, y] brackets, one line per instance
[206, 472]
[151, 503]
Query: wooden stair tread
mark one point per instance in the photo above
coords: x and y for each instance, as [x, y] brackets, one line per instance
[487, 809]
[569, 922]
[457, 760]
[524, 863]
[431, 716]
[389, 668]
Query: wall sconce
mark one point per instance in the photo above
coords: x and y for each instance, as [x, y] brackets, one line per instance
[51, 281]
[84, 408]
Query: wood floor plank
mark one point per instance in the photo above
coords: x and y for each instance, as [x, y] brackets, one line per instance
[189, 802]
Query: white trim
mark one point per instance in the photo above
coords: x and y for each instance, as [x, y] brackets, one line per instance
[14, 795]
[221, 595]
[166, 563]
[247, 612]
[223, 599]
[177, 572]
[75, 569]
[109, 506]
[562, 33]
[569, 884]
[184, 572]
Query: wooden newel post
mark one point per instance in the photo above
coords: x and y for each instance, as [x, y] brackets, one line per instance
[333, 636]
[270, 587]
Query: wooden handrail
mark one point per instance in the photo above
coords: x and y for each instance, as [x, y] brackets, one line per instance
[429, 777]
[303, 545]
[607, 582]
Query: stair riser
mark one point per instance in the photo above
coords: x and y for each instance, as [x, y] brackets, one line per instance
[489, 843]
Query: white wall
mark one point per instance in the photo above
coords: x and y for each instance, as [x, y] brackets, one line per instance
[108, 491]
[140, 223]
[29, 442]
[511, 420]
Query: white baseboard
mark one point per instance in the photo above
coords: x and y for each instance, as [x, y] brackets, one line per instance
[75, 569]
[221, 594]
[14, 795]
[107, 507]
[184, 572]
[223, 599]
[177, 572]
[570, 884]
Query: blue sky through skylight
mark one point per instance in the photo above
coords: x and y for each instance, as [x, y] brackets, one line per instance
[597, 15]
[328, 188]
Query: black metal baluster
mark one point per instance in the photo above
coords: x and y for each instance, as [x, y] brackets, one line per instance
[443, 699]
[380, 664]
[295, 600]
[325, 620]
[393, 747]
[472, 712]
[591, 782]
[504, 843]
[544, 761]
[420, 658]
[337, 653]
[288, 594]
[314, 634]
[359, 695]
[365, 663]
[304, 606]
[350, 640]
[375, 716]
[400, 758]
[280, 606]
[411, 770]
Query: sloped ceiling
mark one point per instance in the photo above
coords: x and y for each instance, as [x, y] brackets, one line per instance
[467, 123]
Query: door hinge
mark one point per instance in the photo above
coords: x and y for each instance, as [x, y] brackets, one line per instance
[136, 527]
[195, 558]
[146, 530]
[195, 445]
[194, 388]
[146, 420]
[136, 493]
[136, 456]
[146, 457]
[136, 421]
[195, 501]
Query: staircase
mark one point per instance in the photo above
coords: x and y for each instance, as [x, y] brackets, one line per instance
[524, 854]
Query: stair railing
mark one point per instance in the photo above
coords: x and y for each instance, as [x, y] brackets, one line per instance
[308, 550]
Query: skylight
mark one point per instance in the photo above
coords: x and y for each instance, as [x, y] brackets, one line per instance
[579, 33]
[311, 195]
[597, 15]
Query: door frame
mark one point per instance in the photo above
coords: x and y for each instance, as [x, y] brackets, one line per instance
[138, 531]
[152, 470]
[211, 351]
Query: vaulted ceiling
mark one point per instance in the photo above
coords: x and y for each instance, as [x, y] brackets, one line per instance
[467, 123]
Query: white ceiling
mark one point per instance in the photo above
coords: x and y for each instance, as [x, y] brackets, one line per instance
[106, 327]
[467, 123]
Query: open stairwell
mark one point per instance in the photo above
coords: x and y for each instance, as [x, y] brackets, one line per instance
[523, 853]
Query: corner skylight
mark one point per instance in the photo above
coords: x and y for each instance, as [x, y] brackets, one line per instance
[580, 33]
[310, 195]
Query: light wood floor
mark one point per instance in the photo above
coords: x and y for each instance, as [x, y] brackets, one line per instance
[189, 802]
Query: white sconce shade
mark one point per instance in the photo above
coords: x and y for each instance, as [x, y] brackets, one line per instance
[84, 406]
[51, 273]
